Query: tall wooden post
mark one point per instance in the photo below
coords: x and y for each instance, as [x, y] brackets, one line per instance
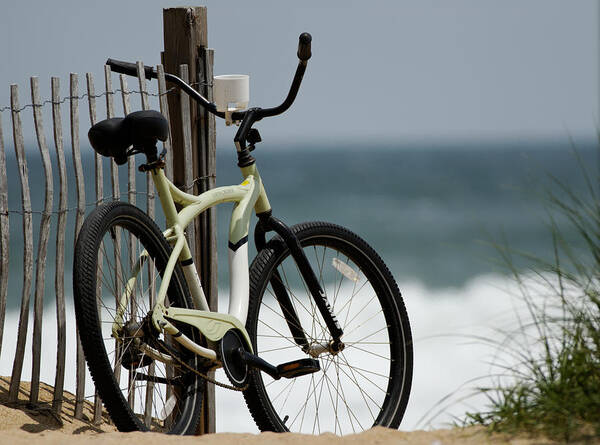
[185, 38]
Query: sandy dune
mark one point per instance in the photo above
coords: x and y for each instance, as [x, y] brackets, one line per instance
[23, 425]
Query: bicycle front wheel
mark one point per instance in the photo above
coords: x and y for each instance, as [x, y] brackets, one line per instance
[145, 380]
[368, 382]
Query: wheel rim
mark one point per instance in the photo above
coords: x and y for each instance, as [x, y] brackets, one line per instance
[152, 389]
[350, 392]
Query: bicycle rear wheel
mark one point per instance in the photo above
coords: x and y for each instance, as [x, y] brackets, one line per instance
[366, 384]
[138, 373]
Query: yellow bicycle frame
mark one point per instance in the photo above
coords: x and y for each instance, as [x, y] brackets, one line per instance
[248, 195]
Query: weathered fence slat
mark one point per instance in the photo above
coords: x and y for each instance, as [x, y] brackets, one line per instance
[79, 182]
[188, 181]
[131, 194]
[208, 223]
[146, 106]
[99, 176]
[110, 112]
[125, 95]
[143, 87]
[99, 198]
[15, 381]
[150, 210]
[131, 191]
[59, 277]
[208, 170]
[42, 242]
[4, 236]
[164, 109]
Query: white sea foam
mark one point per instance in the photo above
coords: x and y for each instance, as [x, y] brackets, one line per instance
[449, 360]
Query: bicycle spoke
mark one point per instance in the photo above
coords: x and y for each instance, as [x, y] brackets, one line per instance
[350, 299]
[315, 422]
[334, 404]
[361, 370]
[366, 351]
[303, 407]
[283, 348]
[364, 394]
[313, 309]
[350, 413]
[312, 312]
[289, 339]
[341, 276]
[289, 386]
[372, 334]
[281, 316]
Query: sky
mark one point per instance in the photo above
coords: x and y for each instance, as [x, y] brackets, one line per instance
[381, 70]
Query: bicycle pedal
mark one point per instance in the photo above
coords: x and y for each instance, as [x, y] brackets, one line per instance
[298, 368]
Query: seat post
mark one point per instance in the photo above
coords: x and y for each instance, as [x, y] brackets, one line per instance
[151, 152]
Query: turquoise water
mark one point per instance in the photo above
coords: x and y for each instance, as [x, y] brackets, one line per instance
[430, 211]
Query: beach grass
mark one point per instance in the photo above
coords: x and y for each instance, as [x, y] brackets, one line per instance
[548, 379]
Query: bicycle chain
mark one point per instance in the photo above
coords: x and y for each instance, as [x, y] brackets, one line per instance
[166, 348]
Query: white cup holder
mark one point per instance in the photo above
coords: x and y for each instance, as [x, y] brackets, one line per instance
[231, 92]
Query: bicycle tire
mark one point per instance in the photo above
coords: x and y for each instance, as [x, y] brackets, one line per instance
[329, 247]
[111, 239]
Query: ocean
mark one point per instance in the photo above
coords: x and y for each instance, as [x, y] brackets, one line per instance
[433, 211]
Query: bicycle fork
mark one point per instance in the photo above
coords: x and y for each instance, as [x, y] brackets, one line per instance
[267, 222]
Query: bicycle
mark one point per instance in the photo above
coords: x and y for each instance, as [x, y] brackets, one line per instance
[316, 297]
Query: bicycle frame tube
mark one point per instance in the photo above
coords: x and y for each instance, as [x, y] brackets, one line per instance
[247, 195]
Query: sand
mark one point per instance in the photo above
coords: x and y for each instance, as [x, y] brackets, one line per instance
[22, 424]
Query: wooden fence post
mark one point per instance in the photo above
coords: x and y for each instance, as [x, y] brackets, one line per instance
[207, 233]
[185, 40]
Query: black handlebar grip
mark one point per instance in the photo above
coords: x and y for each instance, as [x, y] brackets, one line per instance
[130, 68]
[304, 46]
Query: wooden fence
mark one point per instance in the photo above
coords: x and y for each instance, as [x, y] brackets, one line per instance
[59, 216]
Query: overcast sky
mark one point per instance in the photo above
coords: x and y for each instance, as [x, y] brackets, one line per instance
[394, 70]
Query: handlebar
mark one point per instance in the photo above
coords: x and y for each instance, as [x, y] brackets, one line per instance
[130, 69]
[304, 53]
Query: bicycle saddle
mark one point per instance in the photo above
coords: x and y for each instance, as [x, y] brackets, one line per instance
[142, 129]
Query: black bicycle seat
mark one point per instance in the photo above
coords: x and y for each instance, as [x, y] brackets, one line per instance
[142, 129]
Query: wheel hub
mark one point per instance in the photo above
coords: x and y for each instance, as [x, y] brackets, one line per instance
[332, 347]
[132, 335]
